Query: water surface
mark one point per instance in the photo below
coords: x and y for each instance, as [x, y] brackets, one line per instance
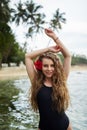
[16, 113]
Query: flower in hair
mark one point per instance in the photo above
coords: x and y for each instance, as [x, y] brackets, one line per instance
[38, 65]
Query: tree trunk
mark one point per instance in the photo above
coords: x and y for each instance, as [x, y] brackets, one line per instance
[9, 64]
[0, 63]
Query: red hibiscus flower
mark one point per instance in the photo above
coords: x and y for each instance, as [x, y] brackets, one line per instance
[38, 65]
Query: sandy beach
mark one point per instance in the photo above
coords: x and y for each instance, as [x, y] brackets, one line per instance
[8, 73]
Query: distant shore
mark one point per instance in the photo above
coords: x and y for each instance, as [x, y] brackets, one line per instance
[79, 68]
[8, 73]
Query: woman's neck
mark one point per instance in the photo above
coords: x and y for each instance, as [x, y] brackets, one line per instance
[48, 82]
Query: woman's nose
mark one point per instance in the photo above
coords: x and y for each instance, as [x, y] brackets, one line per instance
[49, 68]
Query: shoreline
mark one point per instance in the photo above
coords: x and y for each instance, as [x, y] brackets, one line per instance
[79, 68]
[9, 73]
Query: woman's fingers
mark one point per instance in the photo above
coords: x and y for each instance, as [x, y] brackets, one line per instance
[48, 32]
[55, 48]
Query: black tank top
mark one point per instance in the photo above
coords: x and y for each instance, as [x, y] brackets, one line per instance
[49, 118]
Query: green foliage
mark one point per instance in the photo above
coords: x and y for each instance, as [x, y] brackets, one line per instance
[5, 11]
[6, 36]
[8, 95]
[57, 20]
[6, 41]
[8, 86]
[17, 54]
[10, 51]
[76, 59]
[30, 13]
[27, 12]
[79, 59]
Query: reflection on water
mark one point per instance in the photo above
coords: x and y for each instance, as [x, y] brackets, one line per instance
[78, 92]
[7, 91]
[16, 113]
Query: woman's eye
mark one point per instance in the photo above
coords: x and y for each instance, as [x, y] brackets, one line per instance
[48, 65]
[45, 65]
[52, 65]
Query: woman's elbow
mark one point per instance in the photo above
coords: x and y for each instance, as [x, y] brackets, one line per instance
[69, 55]
[27, 56]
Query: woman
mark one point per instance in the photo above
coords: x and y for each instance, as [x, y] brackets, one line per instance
[49, 93]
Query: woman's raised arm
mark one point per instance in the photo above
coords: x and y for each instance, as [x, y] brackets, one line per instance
[29, 57]
[63, 49]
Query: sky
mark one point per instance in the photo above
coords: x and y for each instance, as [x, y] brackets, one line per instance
[73, 33]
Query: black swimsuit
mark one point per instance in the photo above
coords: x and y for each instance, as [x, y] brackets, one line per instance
[50, 119]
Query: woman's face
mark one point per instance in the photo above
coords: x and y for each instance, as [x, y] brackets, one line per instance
[48, 67]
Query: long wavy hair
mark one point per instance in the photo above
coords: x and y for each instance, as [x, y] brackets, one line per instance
[60, 94]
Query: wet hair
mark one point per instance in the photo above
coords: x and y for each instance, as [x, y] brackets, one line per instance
[60, 94]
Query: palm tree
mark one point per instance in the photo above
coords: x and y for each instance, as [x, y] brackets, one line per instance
[29, 14]
[5, 30]
[7, 40]
[57, 20]
[4, 11]
[19, 14]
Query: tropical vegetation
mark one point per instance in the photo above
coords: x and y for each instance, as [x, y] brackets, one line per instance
[28, 13]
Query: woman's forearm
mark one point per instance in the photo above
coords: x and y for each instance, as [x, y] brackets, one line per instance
[63, 49]
[36, 53]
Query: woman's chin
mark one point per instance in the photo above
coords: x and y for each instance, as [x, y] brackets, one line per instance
[49, 76]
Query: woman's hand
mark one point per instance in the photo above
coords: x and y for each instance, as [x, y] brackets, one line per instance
[50, 33]
[55, 49]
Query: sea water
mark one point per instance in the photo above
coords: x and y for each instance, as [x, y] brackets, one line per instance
[18, 115]
[77, 111]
